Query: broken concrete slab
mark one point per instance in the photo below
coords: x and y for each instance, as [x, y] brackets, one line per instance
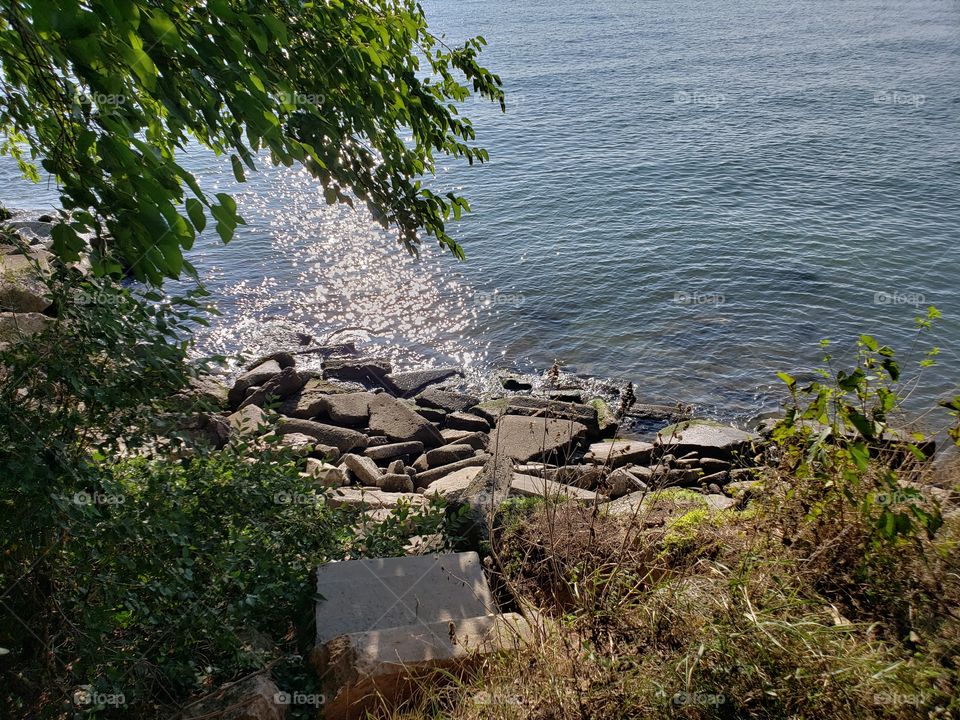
[453, 486]
[373, 498]
[396, 482]
[466, 421]
[326, 473]
[424, 479]
[16, 326]
[247, 421]
[363, 468]
[446, 400]
[619, 453]
[705, 437]
[532, 486]
[349, 409]
[252, 378]
[341, 438]
[620, 482]
[529, 438]
[307, 403]
[277, 388]
[443, 455]
[394, 450]
[369, 372]
[22, 288]
[477, 440]
[400, 423]
[412, 382]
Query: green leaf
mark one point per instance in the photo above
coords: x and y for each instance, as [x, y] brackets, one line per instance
[197, 216]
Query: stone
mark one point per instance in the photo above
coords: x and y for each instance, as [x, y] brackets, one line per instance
[446, 400]
[369, 372]
[434, 416]
[364, 671]
[541, 407]
[342, 439]
[452, 436]
[466, 421]
[398, 422]
[206, 429]
[370, 498]
[529, 438]
[443, 455]
[581, 476]
[705, 437]
[394, 450]
[719, 478]
[350, 409]
[742, 474]
[713, 465]
[16, 326]
[741, 488]
[22, 288]
[363, 468]
[424, 479]
[251, 698]
[476, 440]
[326, 473]
[453, 486]
[396, 467]
[252, 378]
[719, 502]
[283, 359]
[247, 421]
[206, 391]
[309, 401]
[412, 382]
[277, 388]
[514, 382]
[396, 483]
[620, 482]
[301, 445]
[531, 486]
[571, 396]
[619, 453]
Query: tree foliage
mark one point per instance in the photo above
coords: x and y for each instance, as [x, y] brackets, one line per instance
[107, 93]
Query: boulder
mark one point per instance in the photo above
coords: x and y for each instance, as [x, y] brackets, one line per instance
[206, 391]
[412, 382]
[719, 502]
[446, 400]
[21, 282]
[326, 473]
[247, 421]
[350, 409]
[529, 438]
[16, 326]
[396, 483]
[620, 482]
[531, 486]
[373, 499]
[310, 400]
[706, 438]
[342, 439]
[279, 387]
[476, 440]
[252, 378]
[283, 359]
[398, 422]
[619, 453]
[252, 698]
[534, 406]
[425, 479]
[394, 450]
[434, 416]
[453, 486]
[443, 455]
[369, 372]
[363, 468]
[301, 445]
[466, 421]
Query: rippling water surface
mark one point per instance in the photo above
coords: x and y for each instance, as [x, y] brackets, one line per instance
[688, 194]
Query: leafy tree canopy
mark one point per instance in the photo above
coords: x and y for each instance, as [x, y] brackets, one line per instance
[105, 92]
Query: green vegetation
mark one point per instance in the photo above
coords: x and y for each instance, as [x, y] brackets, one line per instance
[106, 94]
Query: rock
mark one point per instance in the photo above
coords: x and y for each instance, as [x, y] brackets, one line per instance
[396, 468]
[394, 450]
[476, 440]
[569, 396]
[718, 478]
[351, 409]
[529, 438]
[396, 483]
[412, 382]
[741, 474]
[670, 413]
[309, 401]
[363, 468]
[301, 445]
[584, 414]
[258, 376]
[22, 288]
[443, 455]
[206, 429]
[326, 473]
[453, 486]
[434, 416]
[620, 482]
[706, 438]
[283, 359]
[398, 422]
[381, 668]
[466, 421]
[713, 465]
[279, 387]
[741, 488]
[205, 391]
[368, 498]
[247, 421]
[425, 479]
[585, 477]
[514, 382]
[719, 502]
[342, 439]
[369, 372]
[452, 436]
[252, 698]
[446, 400]
[16, 326]
[619, 453]
[531, 486]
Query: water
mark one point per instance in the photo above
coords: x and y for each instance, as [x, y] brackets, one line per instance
[689, 195]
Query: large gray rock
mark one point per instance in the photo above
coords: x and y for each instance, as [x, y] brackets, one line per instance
[252, 698]
[342, 439]
[394, 450]
[620, 482]
[21, 282]
[466, 421]
[363, 468]
[619, 453]
[528, 438]
[425, 479]
[204, 391]
[453, 486]
[351, 409]
[705, 437]
[540, 407]
[443, 455]
[14, 327]
[411, 382]
[446, 400]
[369, 372]
[368, 498]
[531, 486]
[279, 387]
[310, 400]
[247, 421]
[398, 422]
[252, 378]
[396, 483]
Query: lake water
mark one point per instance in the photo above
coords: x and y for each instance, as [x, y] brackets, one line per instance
[689, 195]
